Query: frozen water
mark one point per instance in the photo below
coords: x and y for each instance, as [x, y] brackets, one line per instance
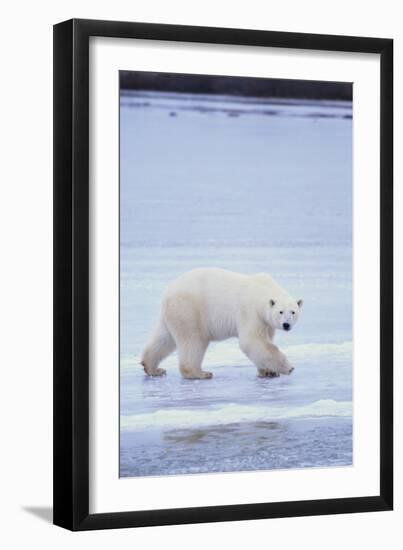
[247, 185]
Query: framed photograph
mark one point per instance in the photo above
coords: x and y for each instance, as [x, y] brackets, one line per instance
[223, 240]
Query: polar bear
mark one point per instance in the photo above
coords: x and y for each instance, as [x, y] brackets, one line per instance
[210, 304]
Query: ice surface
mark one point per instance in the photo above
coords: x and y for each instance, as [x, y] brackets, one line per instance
[247, 185]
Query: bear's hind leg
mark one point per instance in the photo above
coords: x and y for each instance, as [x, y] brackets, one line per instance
[161, 344]
[191, 353]
[182, 316]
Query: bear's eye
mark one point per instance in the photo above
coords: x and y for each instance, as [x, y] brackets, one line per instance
[293, 312]
[281, 312]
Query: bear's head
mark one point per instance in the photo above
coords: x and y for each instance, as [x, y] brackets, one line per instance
[283, 313]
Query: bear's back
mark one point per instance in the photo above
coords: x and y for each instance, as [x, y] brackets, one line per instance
[208, 283]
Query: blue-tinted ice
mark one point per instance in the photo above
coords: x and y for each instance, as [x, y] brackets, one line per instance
[246, 185]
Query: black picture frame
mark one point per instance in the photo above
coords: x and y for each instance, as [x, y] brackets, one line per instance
[71, 274]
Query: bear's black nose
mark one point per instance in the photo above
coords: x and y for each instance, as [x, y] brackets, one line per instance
[286, 326]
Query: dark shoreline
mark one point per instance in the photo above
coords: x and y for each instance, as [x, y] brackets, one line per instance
[235, 86]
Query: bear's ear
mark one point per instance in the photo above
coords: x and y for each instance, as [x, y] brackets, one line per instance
[300, 302]
[272, 303]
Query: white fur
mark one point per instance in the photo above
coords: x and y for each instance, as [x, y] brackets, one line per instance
[210, 304]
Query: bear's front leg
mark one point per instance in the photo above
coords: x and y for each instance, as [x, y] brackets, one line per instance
[268, 359]
[267, 373]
